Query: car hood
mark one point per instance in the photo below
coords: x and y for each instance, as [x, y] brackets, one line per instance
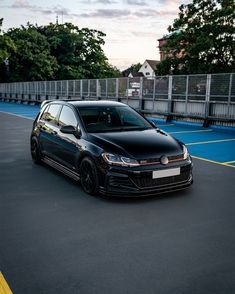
[143, 144]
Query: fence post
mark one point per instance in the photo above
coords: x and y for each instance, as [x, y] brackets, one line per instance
[73, 89]
[88, 89]
[36, 96]
[141, 101]
[186, 95]
[81, 89]
[207, 106]
[117, 89]
[97, 90]
[170, 102]
[67, 89]
[229, 93]
[106, 88]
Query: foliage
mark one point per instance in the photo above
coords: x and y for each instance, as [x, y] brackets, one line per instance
[201, 39]
[133, 68]
[7, 48]
[32, 60]
[57, 51]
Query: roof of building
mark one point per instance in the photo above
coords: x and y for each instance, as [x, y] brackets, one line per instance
[153, 63]
[136, 74]
[176, 32]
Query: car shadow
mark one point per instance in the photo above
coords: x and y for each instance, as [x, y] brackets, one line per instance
[127, 199]
[138, 199]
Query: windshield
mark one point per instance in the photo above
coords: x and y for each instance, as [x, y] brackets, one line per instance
[112, 119]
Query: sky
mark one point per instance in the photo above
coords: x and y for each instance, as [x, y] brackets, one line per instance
[132, 27]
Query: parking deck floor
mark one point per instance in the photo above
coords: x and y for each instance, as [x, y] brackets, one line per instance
[56, 239]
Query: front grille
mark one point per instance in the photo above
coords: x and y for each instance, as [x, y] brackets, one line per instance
[116, 181]
[157, 160]
[176, 157]
[147, 181]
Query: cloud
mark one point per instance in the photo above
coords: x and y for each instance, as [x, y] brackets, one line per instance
[24, 4]
[137, 2]
[106, 13]
[167, 8]
[154, 13]
[21, 4]
[99, 2]
[144, 34]
[106, 1]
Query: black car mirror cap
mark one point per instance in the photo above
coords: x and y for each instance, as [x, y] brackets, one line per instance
[71, 130]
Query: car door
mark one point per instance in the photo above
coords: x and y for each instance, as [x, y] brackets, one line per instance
[68, 144]
[49, 130]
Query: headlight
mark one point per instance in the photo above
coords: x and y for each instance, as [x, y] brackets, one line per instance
[185, 151]
[119, 160]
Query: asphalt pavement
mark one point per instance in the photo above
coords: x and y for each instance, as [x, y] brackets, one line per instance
[56, 239]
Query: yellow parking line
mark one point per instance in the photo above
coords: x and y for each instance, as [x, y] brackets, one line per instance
[4, 288]
[208, 142]
[212, 161]
[185, 132]
[228, 162]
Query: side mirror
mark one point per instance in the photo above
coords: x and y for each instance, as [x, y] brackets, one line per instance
[71, 130]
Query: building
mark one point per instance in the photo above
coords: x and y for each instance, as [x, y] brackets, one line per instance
[147, 69]
[162, 42]
[135, 75]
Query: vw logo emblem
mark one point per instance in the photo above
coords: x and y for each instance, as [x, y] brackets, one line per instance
[164, 160]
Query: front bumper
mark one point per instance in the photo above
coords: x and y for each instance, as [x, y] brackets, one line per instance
[131, 182]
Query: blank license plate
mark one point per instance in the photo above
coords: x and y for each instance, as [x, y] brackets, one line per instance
[166, 173]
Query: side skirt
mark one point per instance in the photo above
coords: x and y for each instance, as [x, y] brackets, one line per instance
[61, 168]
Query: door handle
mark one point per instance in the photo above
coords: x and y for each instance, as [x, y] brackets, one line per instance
[54, 133]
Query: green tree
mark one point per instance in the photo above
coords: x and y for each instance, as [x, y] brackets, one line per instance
[201, 39]
[32, 60]
[131, 69]
[7, 48]
[56, 51]
[78, 52]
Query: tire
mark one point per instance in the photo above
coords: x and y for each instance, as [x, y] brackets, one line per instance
[35, 152]
[89, 176]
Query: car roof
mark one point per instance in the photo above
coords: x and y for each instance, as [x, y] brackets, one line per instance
[104, 103]
[84, 104]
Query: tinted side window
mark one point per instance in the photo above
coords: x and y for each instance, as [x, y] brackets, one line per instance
[45, 113]
[52, 113]
[67, 117]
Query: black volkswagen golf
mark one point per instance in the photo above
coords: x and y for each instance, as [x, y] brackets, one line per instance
[110, 147]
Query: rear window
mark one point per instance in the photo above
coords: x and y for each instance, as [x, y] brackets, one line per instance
[51, 112]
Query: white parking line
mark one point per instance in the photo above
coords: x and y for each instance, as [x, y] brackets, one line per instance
[16, 115]
[208, 142]
[166, 125]
[185, 132]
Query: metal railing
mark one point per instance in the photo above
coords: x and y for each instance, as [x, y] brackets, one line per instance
[203, 96]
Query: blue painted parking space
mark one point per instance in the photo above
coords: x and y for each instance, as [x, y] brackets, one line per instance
[221, 152]
[28, 111]
[216, 145]
[175, 127]
[203, 137]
